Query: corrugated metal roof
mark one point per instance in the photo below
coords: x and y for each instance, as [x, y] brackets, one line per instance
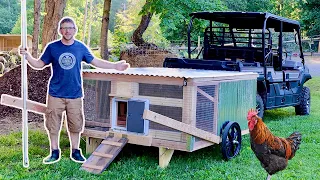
[170, 72]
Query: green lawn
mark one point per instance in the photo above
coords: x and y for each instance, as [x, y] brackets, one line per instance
[139, 162]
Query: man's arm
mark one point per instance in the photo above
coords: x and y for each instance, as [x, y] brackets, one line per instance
[33, 62]
[120, 65]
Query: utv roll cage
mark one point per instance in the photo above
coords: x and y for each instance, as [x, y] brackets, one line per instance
[246, 35]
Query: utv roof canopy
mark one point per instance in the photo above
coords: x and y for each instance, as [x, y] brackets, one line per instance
[252, 20]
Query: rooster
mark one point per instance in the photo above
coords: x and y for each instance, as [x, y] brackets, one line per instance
[273, 152]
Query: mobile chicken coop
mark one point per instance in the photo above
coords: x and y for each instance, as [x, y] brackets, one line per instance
[173, 109]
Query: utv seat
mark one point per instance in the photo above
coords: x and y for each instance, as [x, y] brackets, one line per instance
[291, 65]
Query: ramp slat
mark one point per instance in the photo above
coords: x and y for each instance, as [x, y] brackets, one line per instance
[102, 155]
[105, 153]
[111, 143]
[93, 166]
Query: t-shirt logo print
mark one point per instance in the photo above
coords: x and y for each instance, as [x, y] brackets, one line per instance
[67, 61]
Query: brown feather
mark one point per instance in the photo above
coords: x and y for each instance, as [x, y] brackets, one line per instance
[272, 151]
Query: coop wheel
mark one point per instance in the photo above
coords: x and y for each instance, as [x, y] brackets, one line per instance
[231, 140]
[223, 127]
[304, 107]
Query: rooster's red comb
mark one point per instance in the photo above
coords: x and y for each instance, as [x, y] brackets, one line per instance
[251, 113]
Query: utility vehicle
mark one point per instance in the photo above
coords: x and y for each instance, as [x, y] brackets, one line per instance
[253, 42]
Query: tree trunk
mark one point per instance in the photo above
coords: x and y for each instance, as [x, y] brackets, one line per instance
[280, 7]
[137, 34]
[104, 30]
[85, 22]
[36, 28]
[90, 19]
[54, 11]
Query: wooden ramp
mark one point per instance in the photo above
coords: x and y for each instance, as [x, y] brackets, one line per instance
[105, 153]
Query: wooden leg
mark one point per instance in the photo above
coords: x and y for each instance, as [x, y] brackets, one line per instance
[165, 155]
[92, 144]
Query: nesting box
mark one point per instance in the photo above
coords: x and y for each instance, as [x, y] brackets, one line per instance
[194, 100]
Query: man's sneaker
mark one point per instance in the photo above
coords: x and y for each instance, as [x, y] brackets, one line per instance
[53, 157]
[77, 156]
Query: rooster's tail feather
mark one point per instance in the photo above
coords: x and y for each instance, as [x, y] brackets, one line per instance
[295, 141]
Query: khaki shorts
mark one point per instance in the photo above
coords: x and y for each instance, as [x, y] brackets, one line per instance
[74, 112]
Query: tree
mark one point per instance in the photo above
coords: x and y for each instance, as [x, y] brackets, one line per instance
[36, 28]
[104, 30]
[175, 17]
[310, 17]
[85, 21]
[17, 26]
[260, 6]
[54, 12]
[116, 6]
[90, 19]
[10, 11]
[144, 23]
[127, 22]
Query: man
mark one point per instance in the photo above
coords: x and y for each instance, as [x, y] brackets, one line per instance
[65, 89]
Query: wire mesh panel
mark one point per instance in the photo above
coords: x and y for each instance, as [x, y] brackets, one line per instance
[205, 109]
[171, 112]
[96, 100]
[163, 91]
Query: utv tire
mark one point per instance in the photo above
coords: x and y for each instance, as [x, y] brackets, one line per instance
[304, 107]
[260, 106]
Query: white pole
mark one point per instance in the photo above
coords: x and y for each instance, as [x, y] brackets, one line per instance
[24, 85]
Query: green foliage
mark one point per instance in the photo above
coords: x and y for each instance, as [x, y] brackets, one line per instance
[9, 10]
[76, 9]
[119, 40]
[116, 6]
[175, 17]
[286, 8]
[128, 20]
[236, 5]
[259, 6]
[30, 18]
[310, 16]
[30, 10]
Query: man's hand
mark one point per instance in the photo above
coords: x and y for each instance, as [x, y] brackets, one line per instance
[24, 51]
[122, 65]
[35, 63]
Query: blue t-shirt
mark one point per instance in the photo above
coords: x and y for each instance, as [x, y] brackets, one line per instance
[66, 80]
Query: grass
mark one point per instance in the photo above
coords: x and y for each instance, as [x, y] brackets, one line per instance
[138, 162]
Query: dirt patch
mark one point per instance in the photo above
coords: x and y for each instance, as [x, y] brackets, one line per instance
[10, 83]
[13, 123]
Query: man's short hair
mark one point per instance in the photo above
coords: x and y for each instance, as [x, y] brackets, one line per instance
[67, 20]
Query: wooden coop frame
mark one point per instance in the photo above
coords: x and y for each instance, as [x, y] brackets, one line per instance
[9, 42]
[173, 109]
[187, 86]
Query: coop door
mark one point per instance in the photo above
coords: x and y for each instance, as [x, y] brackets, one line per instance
[127, 115]
[135, 121]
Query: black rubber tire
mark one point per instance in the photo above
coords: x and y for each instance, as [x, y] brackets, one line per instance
[231, 141]
[224, 125]
[305, 101]
[260, 106]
